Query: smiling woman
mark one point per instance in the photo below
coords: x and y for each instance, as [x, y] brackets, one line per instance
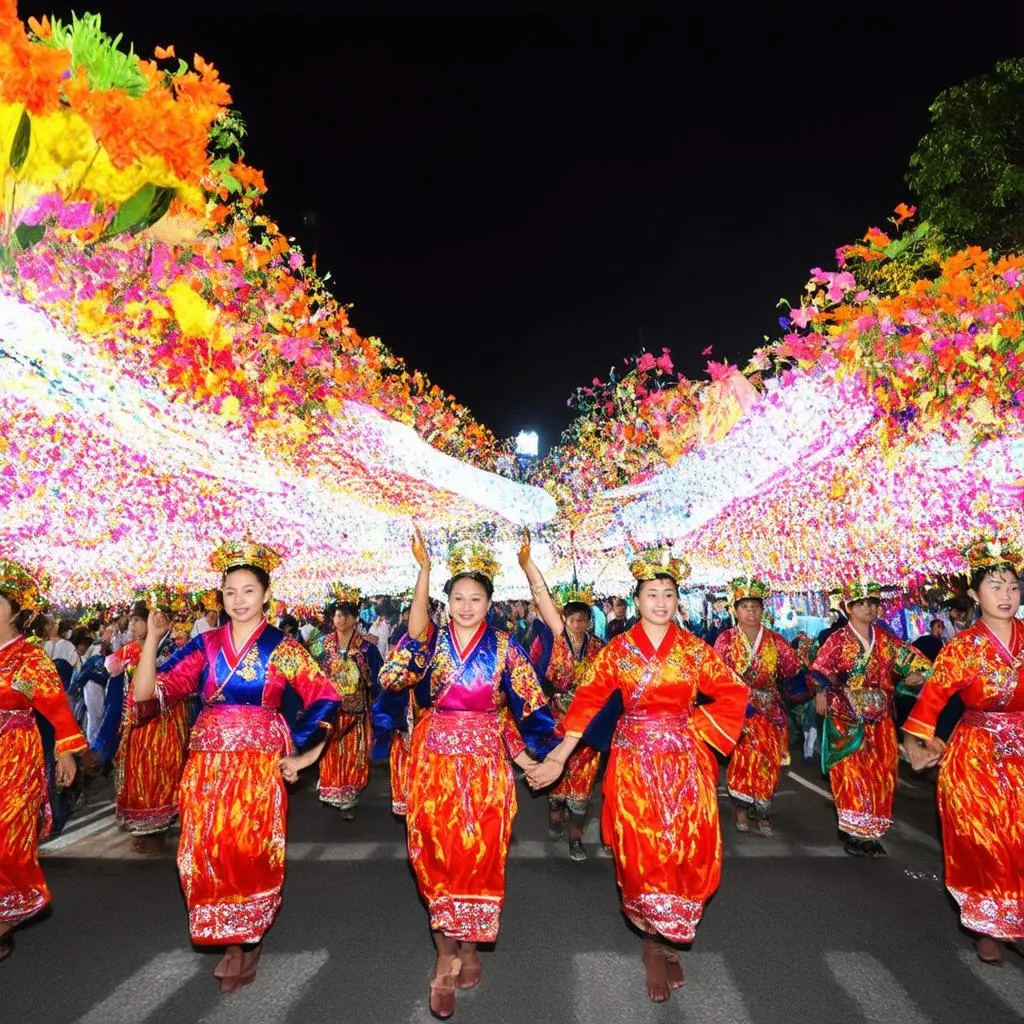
[484, 709]
[233, 801]
[660, 810]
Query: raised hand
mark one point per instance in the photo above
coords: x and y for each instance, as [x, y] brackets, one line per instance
[524, 549]
[419, 549]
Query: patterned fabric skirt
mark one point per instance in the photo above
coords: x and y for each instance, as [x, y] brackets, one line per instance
[148, 767]
[24, 818]
[864, 783]
[233, 809]
[981, 804]
[660, 814]
[398, 758]
[345, 764]
[461, 805]
[753, 773]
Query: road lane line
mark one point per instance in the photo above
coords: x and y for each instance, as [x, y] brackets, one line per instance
[900, 827]
[147, 989]
[68, 838]
[283, 980]
[1006, 984]
[610, 986]
[874, 988]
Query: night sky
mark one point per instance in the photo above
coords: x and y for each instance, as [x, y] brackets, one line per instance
[515, 203]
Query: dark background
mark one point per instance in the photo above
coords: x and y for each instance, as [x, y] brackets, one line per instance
[515, 202]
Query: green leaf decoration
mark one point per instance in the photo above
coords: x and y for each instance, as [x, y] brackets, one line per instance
[22, 137]
[91, 48]
[26, 235]
[140, 210]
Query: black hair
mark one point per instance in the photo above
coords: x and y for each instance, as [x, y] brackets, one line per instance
[21, 618]
[261, 574]
[990, 570]
[140, 610]
[81, 635]
[288, 620]
[484, 581]
[658, 576]
[575, 608]
[345, 607]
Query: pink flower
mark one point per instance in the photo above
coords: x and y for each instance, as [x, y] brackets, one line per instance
[295, 260]
[645, 362]
[803, 316]
[665, 362]
[719, 371]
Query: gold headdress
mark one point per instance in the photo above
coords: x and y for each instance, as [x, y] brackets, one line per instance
[174, 600]
[860, 590]
[749, 588]
[567, 593]
[345, 593]
[17, 583]
[209, 601]
[467, 558]
[993, 553]
[649, 565]
[232, 554]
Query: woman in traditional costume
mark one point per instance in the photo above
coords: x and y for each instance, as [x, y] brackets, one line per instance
[483, 709]
[770, 667]
[562, 652]
[233, 800]
[352, 662]
[981, 777]
[857, 672]
[660, 808]
[151, 754]
[29, 682]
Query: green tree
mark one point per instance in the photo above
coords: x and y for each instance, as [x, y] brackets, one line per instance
[968, 170]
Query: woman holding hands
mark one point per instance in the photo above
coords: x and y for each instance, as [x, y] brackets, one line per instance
[660, 809]
[484, 711]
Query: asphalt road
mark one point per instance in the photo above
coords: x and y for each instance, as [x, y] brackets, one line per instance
[798, 932]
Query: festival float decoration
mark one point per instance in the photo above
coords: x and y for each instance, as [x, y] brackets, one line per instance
[175, 371]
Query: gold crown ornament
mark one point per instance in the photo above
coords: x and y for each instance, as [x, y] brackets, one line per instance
[209, 601]
[749, 588]
[860, 590]
[993, 553]
[649, 565]
[167, 598]
[472, 558]
[345, 593]
[569, 593]
[21, 586]
[234, 554]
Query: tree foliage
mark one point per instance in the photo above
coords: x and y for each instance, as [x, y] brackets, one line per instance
[968, 170]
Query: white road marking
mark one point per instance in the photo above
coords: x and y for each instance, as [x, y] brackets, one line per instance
[899, 827]
[147, 989]
[282, 981]
[101, 809]
[1005, 983]
[610, 986]
[874, 988]
[68, 838]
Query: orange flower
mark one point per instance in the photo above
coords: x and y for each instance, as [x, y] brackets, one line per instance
[164, 52]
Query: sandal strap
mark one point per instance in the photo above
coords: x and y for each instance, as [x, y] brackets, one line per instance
[446, 982]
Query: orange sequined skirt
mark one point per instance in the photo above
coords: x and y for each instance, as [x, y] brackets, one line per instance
[345, 764]
[233, 808]
[24, 818]
[753, 773]
[660, 814]
[398, 759]
[461, 804]
[148, 767]
[981, 804]
[576, 785]
[864, 784]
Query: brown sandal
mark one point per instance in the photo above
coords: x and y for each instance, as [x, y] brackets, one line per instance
[234, 982]
[742, 821]
[764, 827]
[442, 991]
[658, 989]
[470, 974]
